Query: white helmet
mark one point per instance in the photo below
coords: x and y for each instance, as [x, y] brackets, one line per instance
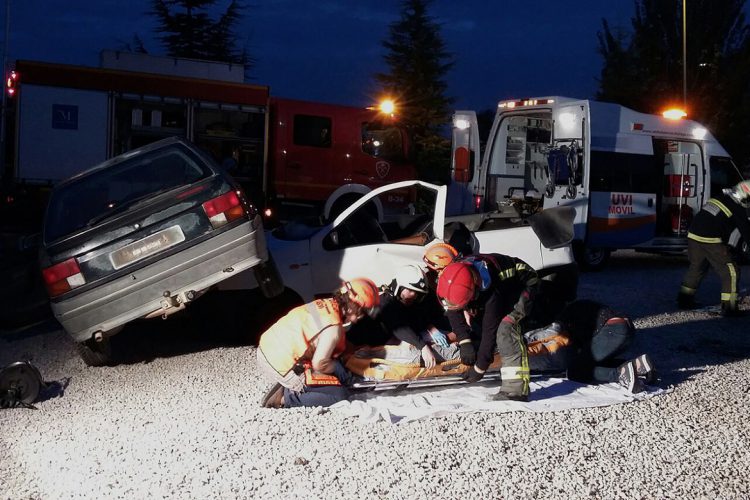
[740, 193]
[411, 277]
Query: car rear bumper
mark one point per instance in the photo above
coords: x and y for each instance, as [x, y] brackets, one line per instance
[164, 284]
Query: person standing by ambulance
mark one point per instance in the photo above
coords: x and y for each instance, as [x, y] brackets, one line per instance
[717, 227]
[495, 292]
[299, 352]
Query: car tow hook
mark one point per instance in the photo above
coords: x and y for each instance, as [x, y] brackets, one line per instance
[171, 304]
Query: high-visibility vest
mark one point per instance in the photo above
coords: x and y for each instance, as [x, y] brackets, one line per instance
[288, 340]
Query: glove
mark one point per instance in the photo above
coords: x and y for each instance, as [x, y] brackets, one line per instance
[439, 338]
[471, 375]
[468, 354]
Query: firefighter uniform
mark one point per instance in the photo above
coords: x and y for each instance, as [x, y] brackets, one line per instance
[508, 287]
[718, 226]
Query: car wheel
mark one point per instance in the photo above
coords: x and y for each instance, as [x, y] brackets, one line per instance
[268, 278]
[95, 353]
[591, 259]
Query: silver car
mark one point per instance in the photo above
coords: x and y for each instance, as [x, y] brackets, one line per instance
[142, 235]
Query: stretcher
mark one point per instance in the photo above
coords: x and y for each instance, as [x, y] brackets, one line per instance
[399, 366]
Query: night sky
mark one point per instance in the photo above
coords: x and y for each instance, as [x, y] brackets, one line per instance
[329, 50]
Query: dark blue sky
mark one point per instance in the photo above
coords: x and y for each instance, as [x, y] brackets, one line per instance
[329, 50]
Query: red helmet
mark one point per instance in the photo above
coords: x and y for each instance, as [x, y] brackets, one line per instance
[439, 255]
[363, 292]
[458, 285]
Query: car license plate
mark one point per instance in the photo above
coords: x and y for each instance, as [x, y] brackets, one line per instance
[149, 245]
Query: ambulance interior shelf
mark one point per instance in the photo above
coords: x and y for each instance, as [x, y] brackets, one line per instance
[519, 164]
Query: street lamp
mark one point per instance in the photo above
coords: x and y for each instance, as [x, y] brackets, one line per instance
[684, 55]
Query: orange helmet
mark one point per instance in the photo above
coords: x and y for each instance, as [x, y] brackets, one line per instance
[439, 255]
[362, 292]
[458, 285]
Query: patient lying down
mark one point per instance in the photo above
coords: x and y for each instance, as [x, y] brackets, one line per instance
[584, 343]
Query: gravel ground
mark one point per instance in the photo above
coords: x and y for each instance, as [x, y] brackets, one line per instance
[179, 418]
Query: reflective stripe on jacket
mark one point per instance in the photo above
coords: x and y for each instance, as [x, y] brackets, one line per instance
[721, 220]
[289, 339]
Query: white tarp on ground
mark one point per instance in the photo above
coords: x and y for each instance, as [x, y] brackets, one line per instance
[547, 394]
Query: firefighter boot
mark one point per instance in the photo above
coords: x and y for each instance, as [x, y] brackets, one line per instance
[730, 310]
[274, 398]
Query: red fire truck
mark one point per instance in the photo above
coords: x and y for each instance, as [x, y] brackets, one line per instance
[286, 153]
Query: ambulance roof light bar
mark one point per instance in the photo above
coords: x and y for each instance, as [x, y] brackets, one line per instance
[524, 102]
[674, 114]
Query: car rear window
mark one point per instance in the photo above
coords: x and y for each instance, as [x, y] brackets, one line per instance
[91, 198]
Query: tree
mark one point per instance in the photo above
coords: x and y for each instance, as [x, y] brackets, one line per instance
[643, 69]
[185, 29]
[418, 63]
[136, 45]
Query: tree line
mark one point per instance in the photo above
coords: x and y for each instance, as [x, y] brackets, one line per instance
[642, 66]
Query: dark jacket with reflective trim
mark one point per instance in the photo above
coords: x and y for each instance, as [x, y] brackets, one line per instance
[511, 293]
[720, 220]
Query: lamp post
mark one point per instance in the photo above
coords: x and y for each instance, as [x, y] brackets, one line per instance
[684, 55]
[4, 101]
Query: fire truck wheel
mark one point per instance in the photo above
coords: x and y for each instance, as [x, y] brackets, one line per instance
[342, 204]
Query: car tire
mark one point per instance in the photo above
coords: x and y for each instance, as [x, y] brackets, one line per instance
[268, 278]
[95, 353]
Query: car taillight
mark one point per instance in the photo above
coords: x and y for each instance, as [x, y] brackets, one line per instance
[224, 209]
[62, 277]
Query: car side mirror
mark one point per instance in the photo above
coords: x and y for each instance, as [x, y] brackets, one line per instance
[331, 241]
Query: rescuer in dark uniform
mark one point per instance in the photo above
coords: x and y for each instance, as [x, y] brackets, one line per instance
[494, 292]
[717, 227]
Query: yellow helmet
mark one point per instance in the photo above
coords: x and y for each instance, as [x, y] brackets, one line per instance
[439, 255]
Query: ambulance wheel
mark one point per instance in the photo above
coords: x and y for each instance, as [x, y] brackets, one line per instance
[95, 353]
[590, 259]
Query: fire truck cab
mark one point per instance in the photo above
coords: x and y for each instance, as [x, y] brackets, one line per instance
[634, 179]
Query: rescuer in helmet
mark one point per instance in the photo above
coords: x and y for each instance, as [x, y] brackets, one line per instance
[439, 255]
[493, 293]
[409, 312]
[299, 352]
[436, 258]
[715, 231]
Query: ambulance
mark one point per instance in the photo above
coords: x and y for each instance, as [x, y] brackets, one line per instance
[635, 180]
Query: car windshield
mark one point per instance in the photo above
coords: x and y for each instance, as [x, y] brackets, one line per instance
[115, 189]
